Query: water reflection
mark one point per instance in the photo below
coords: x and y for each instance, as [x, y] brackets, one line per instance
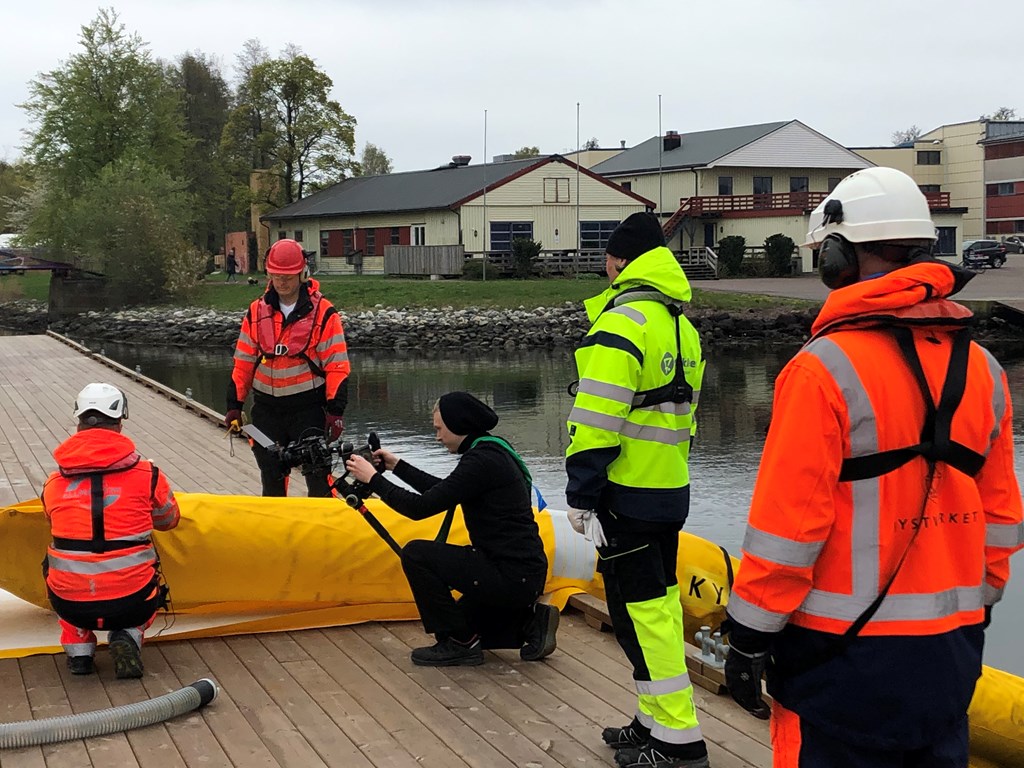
[393, 394]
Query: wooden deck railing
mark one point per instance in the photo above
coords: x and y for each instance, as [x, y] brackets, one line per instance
[699, 205]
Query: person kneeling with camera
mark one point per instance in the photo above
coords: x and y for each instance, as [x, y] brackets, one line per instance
[503, 570]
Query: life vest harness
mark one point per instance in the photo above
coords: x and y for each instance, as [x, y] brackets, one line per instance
[99, 544]
[294, 339]
[935, 446]
[678, 390]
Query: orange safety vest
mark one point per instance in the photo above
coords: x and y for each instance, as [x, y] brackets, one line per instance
[839, 512]
[103, 505]
[278, 358]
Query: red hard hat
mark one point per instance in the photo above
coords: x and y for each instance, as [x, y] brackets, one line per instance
[285, 258]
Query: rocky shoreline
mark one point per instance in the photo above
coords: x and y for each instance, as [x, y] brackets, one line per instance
[430, 328]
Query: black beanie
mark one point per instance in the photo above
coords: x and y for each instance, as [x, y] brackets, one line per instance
[463, 414]
[637, 235]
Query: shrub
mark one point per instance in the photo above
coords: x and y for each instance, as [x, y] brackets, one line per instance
[473, 269]
[778, 252]
[730, 254]
[524, 253]
[185, 271]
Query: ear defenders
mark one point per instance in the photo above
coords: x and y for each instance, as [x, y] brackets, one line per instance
[837, 262]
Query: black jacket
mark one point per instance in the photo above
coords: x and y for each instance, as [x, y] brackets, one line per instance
[496, 505]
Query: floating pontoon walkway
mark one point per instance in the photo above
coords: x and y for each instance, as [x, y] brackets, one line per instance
[346, 697]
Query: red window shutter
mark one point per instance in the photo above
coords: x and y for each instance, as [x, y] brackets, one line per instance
[335, 243]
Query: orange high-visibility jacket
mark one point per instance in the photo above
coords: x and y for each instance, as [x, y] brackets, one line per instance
[103, 505]
[279, 358]
[819, 550]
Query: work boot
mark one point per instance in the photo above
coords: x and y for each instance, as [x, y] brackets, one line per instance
[540, 633]
[449, 653]
[127, 656]
[81, 665]
[632, 735]
[658, 754]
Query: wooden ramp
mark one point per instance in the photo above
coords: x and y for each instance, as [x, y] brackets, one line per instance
[334, 697]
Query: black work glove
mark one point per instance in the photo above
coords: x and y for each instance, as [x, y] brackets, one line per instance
[988, 617]
[743, 673]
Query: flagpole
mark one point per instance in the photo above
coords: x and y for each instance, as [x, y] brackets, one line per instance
[579, 235]
[661, 144]
[485, 195]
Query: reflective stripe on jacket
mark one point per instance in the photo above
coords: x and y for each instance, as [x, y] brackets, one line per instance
[103, 506]
[634, 459]
[310, 347]
[818, 551]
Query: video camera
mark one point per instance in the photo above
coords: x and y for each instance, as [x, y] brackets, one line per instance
[350, 489]
[313, 454]
[316, 456]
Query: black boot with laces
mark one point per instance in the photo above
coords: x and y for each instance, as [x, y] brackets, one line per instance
[658, 754]
[632, 735]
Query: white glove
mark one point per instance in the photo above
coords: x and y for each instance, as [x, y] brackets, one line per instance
[576, 518]
[585, 521]
[592, 530]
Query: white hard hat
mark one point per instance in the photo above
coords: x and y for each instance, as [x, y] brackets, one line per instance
[873, 205]
[104, 399]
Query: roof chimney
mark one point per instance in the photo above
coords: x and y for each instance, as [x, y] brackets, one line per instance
[672, 140]
[460, 160]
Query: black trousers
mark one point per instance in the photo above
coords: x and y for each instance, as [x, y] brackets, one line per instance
[492, 605]
[127, 612]
[639, 564]
[284, 426]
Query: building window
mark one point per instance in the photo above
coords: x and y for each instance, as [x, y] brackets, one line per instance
[282, 235]
[1005, 188]
[347, 241]
[762, 185]
[594, 234]
[946, 243]
[396, 235]
[556, 190]
[325, 240]
[419, 234]
[298, 235]
[799, 184]
[628, 186]
[371, 242]
[833, 182]
[504, 232]
[725, 185]
[926, 188]
[929, 157]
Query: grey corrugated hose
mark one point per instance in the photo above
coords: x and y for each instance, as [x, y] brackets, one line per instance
[106, 721]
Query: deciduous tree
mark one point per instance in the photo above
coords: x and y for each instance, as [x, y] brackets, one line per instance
[1001, 115]
[525, 152]
[108, 116]
[291, 126]
[374, 162]
[205, 103]
[907, 134]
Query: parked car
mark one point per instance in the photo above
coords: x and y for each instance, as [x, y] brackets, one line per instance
[1014, 244]
[979, 254]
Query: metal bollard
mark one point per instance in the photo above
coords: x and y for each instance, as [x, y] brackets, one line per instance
[712, 649]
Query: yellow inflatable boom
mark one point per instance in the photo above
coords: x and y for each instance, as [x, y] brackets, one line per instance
[304, 563]
[315, 562]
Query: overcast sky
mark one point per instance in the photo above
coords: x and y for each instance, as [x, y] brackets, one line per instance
[417, 76]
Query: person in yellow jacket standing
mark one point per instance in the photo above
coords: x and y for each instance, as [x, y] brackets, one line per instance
[291, 352]
[640, 371]
[886, 507]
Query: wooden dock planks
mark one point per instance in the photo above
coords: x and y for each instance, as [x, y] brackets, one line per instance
[336, 697]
